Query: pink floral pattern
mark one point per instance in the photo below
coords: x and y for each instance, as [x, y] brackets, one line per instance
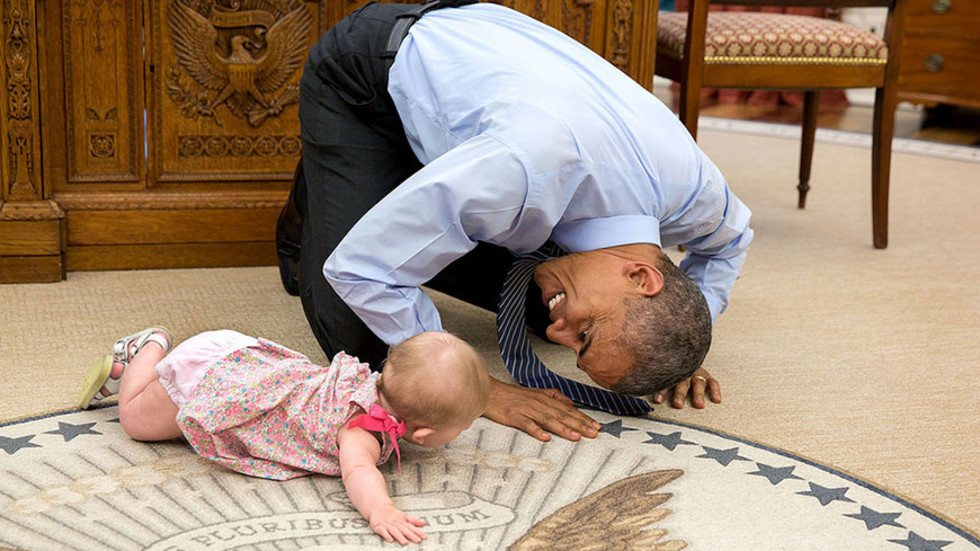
[774, 37]
[269, 412]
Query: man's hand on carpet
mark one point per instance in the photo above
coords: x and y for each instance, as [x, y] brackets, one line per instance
[538, 412]
[696, 386]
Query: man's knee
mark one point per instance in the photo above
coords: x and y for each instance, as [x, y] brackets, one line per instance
[338, 329]
[289, 231]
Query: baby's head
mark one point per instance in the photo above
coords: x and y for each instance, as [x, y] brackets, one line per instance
[437, 384]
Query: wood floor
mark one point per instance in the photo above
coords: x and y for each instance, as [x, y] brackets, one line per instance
[943, 123]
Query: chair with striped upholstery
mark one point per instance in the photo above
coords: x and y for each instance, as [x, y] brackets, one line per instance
[777, 51]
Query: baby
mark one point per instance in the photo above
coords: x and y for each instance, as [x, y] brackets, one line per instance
[264, 410]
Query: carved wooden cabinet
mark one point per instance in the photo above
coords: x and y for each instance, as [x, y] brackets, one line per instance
[939, 54]
[159, 134]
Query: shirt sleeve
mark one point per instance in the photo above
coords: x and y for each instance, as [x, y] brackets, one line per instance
[474, 192]
[714, 261]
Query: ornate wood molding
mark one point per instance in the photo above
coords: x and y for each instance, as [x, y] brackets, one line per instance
[631, 38]
[177, 200]
[23, 211]
[576, 19]
[18, 72]
[621, 33]
[217, 145]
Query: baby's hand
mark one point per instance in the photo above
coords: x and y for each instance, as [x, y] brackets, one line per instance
[392, 524]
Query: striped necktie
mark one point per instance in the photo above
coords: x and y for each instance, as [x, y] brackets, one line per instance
[520, 358]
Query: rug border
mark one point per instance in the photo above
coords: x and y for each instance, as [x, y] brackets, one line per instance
[881, 490]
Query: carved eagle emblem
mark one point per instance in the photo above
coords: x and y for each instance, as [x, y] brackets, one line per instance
[244, 51]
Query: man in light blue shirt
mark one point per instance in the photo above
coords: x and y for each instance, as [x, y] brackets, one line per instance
[434, 156]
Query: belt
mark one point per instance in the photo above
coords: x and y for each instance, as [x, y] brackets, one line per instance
[404, 22]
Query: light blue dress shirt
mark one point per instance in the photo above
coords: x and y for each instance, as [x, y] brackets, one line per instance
[527, 135]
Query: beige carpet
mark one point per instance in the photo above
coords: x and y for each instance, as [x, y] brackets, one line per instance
[859, 359]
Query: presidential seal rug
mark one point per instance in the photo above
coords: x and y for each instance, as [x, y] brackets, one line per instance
[74, 480]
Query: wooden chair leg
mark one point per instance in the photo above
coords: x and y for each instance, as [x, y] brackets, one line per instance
[881, 157]
[811, 103]
[692, 71]
[690, 105]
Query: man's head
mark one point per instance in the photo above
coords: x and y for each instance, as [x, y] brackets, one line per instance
[437, 383]
[637, 323]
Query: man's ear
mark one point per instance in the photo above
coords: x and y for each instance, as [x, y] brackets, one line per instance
[645, 276]
[419, 435]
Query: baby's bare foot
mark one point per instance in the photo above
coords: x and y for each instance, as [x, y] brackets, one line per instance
[115, 374]
[117, 370]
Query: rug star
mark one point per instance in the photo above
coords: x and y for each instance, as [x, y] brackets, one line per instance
[13, 445]
[775, 474]
[915, 542]
[827, 495]
[873, 519]
[615, 428]
[723, 456]
[70, 431]
[669, 441]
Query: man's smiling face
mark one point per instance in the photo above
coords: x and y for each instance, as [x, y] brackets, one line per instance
[584, 293]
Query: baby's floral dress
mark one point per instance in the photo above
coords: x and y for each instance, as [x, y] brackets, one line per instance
[269, 412]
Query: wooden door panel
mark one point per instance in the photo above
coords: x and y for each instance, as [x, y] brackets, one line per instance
[224, 88]
[103, 84]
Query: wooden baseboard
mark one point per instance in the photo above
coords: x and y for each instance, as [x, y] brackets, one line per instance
[31, 269]
[40, 241]
[158, 231]
[173, 255]
[32, 238]
[171, 226]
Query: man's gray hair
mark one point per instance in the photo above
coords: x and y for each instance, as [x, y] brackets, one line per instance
[668, 334]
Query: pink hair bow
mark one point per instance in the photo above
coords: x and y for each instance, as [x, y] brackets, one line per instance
[379, 420]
